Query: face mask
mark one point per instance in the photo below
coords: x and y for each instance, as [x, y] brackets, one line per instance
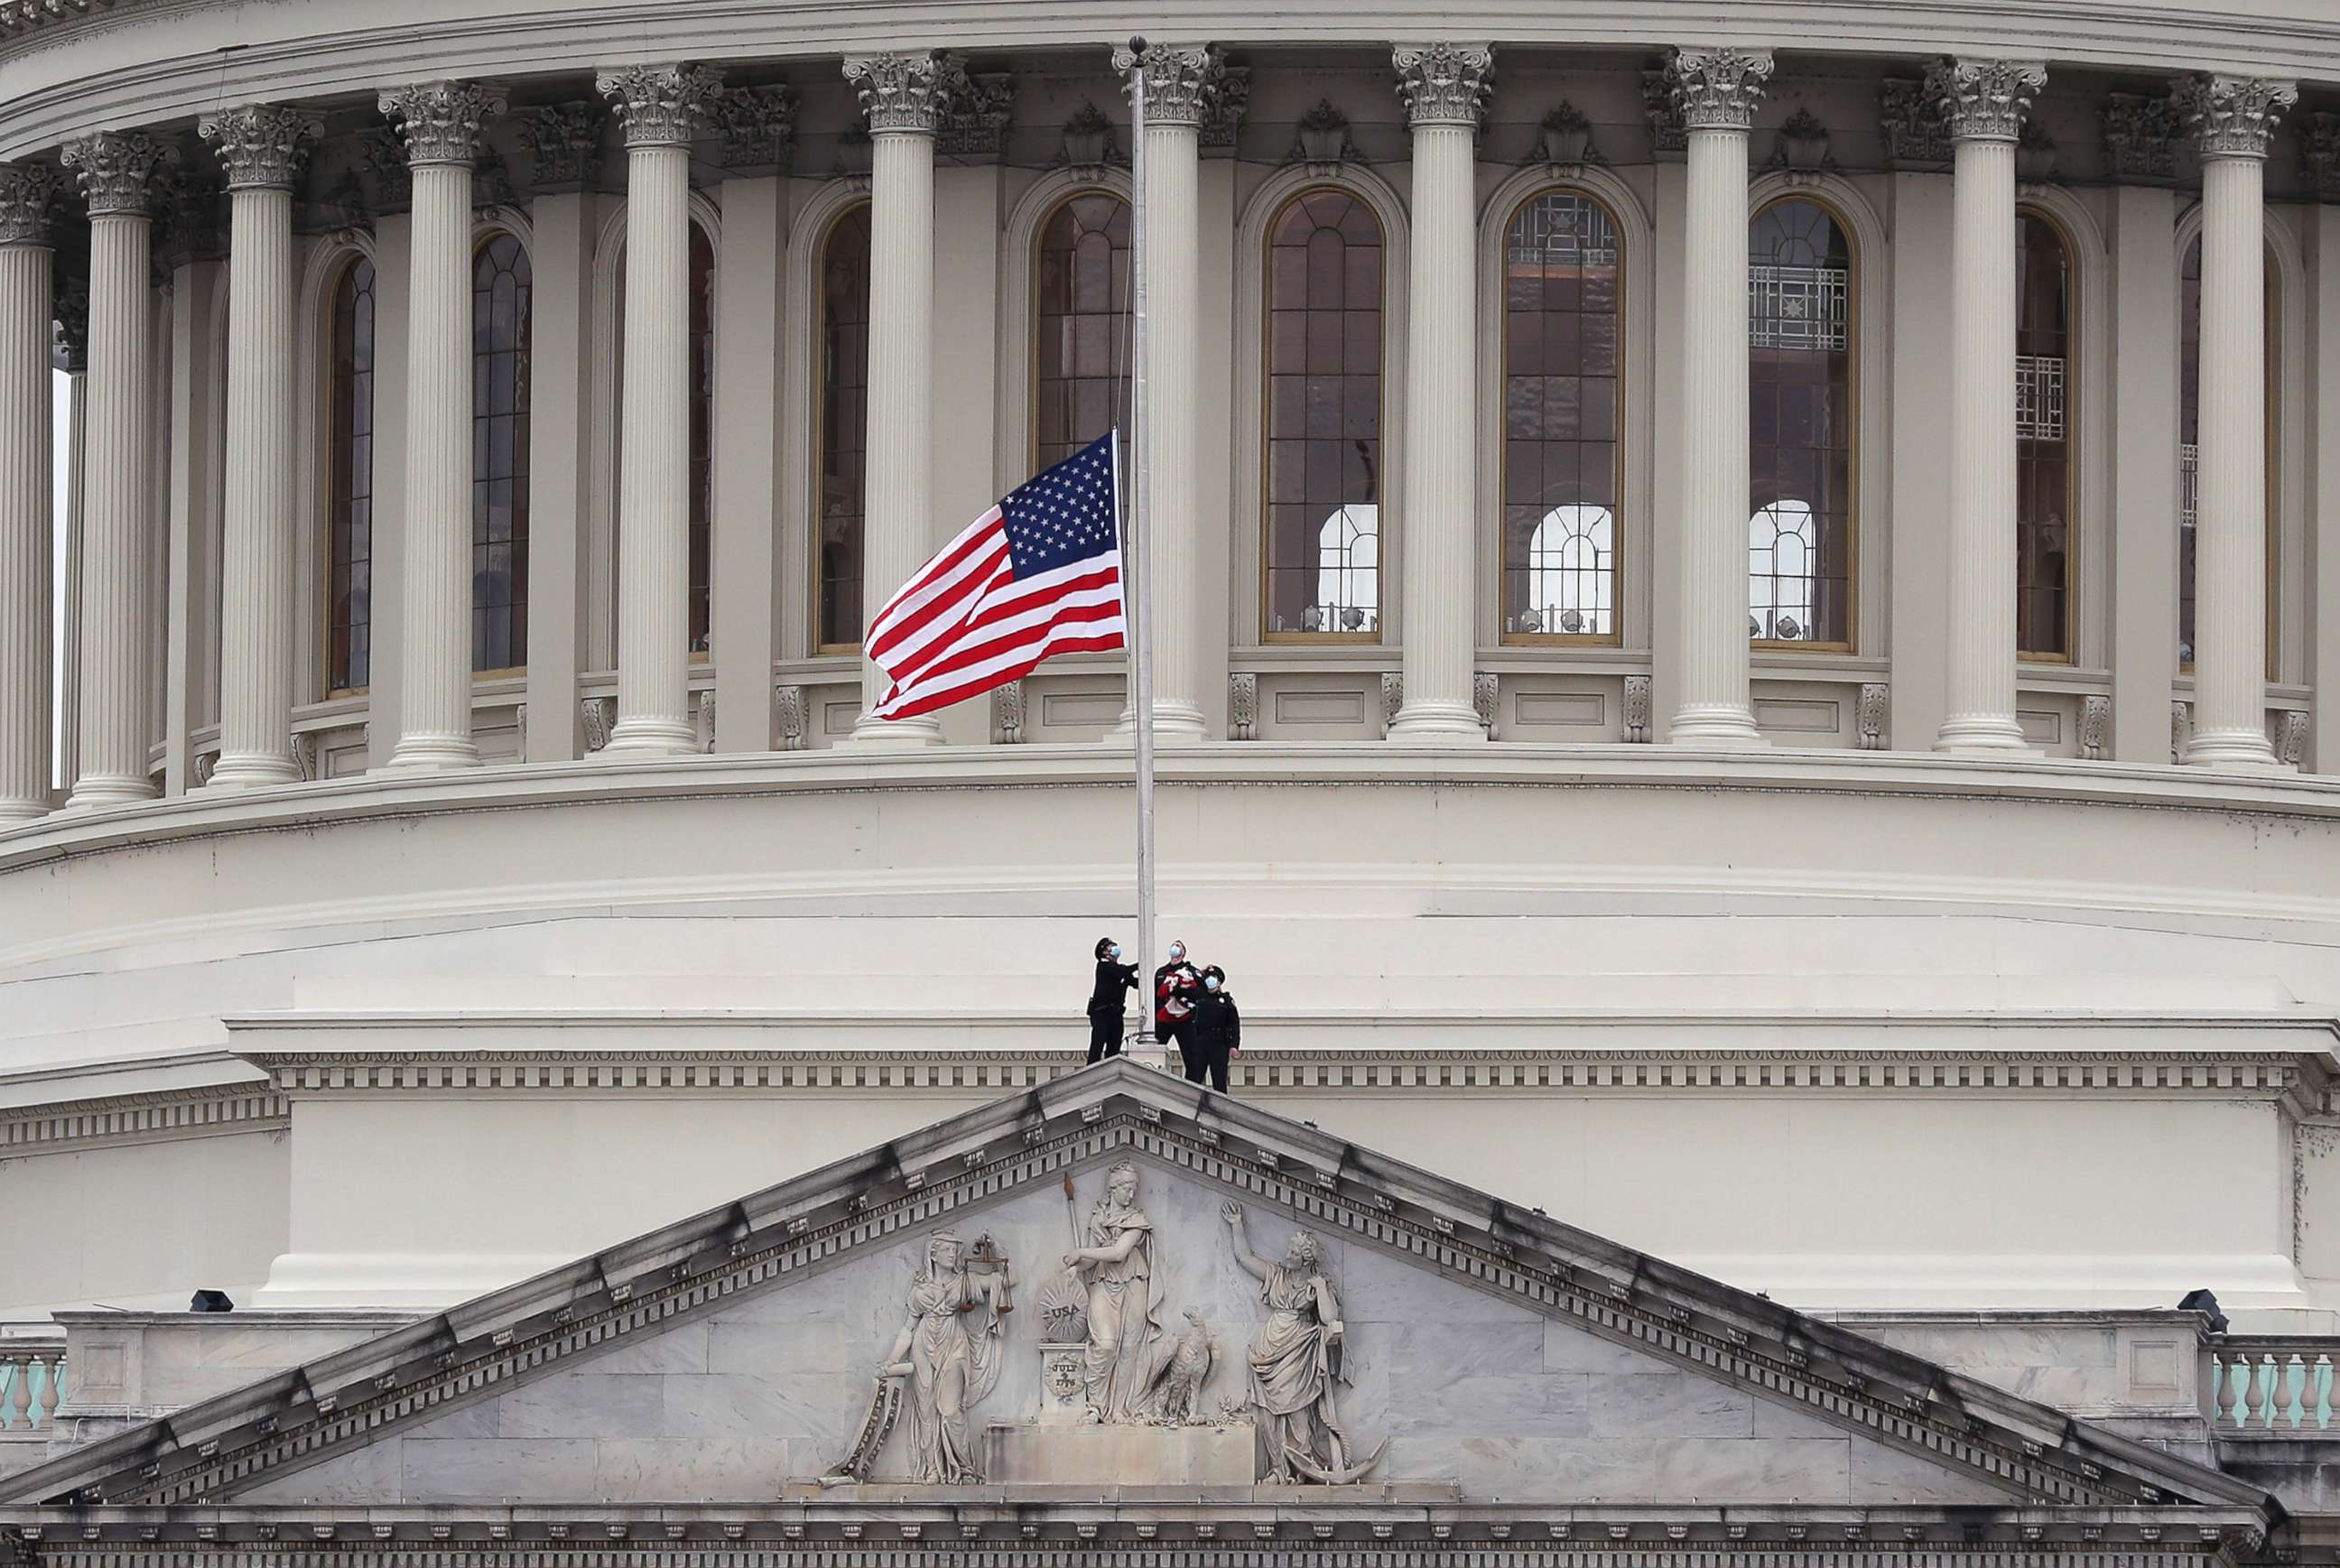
[1177, 951]
[1210, 982]
[1116, 950]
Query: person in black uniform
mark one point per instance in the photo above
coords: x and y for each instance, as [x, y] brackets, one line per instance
[1175, 986]
[1218, 1030]
[1113, 978]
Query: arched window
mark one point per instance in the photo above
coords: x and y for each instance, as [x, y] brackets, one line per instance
[2189, 429]
[1563, 313]
[500, 287]
[1081, 377]
[844, 424]
[348, 486]
[1800, 327]
[701, 307]
[1324, 417]
[2042, 453]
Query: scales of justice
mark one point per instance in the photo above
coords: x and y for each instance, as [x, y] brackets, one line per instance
[1126, 1398]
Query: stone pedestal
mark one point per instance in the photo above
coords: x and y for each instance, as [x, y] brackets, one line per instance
[1023, 1454]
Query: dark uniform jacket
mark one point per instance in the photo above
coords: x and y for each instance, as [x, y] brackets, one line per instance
[1218, 1024]
[1112, 981]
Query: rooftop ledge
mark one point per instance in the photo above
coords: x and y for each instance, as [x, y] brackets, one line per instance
[2275, 793]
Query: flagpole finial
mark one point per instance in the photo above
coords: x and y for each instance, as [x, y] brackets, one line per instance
[1137, 44]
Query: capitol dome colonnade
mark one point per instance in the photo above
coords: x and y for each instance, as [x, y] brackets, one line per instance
[266, 563]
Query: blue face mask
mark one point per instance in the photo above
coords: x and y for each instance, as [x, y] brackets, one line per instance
[1210, 982]
[1116, 950]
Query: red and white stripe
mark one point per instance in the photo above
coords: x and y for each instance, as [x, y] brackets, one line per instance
[966, 624]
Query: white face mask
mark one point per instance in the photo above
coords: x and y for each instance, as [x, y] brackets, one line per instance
[1177, 953]
[1210, 982]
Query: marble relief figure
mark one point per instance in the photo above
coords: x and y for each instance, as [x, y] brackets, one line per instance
[1296, 1363]
[944, 1362]
[1127, 1349]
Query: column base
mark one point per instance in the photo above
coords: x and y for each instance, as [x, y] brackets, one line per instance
[1715, 727]
[1176, 723]
[2247, 749]
[426, 752]
[95, 790]
[651, 737]
[1982, 734]
[252, 770]
[894, 734]
[14, 811]
[1437, 724]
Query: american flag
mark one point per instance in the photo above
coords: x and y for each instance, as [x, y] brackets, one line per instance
[1039, 575]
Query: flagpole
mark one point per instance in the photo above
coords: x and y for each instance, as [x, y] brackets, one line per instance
[1140, 605]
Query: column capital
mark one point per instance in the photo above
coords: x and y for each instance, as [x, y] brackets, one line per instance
[70, 350]
[1984, 100]
[440, 120]
[662, 105]
[117, 170]
[261, 145]
[904, 93]
[759, 126]
[1444, 84]
[2233, 117]
[1718, 89]
[1182, 81]
[28, 203]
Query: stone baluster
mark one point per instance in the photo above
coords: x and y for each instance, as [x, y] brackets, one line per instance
[28, 195]
[663, 108]
[1181, 87]
[1443, 86]
[1984, 102]
[2231, 118]
[1716, 91]
[903, 95]
[260, 148]
[117, 170]
[439, 121]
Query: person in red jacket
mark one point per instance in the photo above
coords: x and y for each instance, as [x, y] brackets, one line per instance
[1175, 986]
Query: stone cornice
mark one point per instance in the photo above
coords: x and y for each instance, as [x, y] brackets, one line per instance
[1984, 100]
[662, 105]
[1444, 84]
[261, 145]
[2233, 117]
[213, 1449]
[1717, 89]
[154, 1116]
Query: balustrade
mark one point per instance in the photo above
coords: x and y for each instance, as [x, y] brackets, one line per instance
[33, 1378]
[2271, 1387]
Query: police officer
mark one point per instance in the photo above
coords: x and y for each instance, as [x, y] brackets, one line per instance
[1217, 1029]
[1175, 986]
[1113, 978]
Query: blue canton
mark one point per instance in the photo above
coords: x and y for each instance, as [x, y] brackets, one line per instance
[1064, 515]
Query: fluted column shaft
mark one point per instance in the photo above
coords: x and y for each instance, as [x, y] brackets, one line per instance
[1984, 102]
[903, 94]
[1442, 85]
[662, 107]
[2232, 117]
[1174, 561]
[26, 192]
[258, 145]
[115, 170]
[440, 123]
[1716, 91]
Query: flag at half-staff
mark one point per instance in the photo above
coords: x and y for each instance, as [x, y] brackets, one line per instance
[1037, 575]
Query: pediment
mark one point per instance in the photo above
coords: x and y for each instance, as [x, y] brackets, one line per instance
[1488, 1357]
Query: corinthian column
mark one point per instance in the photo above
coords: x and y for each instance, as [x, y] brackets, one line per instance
[1442, 86]
[2231, 117]
[260, 147]
[903, 94]
[116, 170]
[1984, 102]
[1716, 91]
[28, 194]
[440, 124]
[663, 107]
[1182, 81]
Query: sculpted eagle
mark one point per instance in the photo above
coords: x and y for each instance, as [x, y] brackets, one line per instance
[1178, 1397]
